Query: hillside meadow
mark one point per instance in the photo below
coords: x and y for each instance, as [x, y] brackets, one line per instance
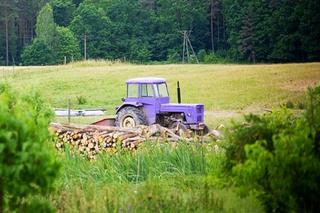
[228, 91]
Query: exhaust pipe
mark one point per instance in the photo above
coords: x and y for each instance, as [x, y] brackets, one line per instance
[178, 92]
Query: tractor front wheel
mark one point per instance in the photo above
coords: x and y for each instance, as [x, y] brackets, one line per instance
[130, 117]
[203, 131]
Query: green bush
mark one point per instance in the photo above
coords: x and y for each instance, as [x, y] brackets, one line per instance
[173, 56]
[254, 128]
[27, 165]
[38, 53]
[139, 51]
[212, 58]
[2, 61]
[81, 100]
[201, 54]
[289, 104]
[278, 155]
[301, 105]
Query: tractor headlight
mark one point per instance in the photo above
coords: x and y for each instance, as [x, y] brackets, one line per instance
[189, 114]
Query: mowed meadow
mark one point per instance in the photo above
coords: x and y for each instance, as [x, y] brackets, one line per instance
[226, 90]
[162, 177]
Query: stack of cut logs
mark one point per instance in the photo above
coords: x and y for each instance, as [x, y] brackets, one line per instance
[88, 140]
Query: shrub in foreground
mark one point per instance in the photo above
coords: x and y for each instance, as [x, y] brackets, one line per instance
[27, 165]
[278, 155]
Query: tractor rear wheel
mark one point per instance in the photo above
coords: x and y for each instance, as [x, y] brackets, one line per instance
[130, 117]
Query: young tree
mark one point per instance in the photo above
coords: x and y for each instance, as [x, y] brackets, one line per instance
[45, 27]
[66, 45]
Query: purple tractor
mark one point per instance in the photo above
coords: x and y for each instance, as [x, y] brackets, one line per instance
[147, 102]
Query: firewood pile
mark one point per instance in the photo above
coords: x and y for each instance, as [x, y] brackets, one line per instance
[89, 140]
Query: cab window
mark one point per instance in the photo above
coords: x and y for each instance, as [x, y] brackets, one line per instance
[163, 90]
[133, 91]
[147, 90]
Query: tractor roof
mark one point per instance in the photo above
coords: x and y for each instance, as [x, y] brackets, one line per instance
[146, 80]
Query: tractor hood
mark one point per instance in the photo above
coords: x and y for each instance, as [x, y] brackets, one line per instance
[194, 113]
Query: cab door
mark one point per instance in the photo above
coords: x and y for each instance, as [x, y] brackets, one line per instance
[149, 100]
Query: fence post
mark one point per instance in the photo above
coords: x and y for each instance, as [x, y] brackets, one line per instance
[69, 111]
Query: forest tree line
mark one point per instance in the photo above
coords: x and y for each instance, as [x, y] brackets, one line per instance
[56, 31]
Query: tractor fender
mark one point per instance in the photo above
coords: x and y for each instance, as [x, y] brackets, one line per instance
[133, 104]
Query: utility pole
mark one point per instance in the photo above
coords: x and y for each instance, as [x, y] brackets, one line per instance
[7, 41]
[85, 46]
[193, 53]
[31, 30]
[212, 25]
[224, 33]
[218, 27]
[186, 45]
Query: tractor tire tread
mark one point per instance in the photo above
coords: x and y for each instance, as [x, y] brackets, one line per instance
[136, 113]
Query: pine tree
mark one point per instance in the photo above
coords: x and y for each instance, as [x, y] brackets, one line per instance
[9, 10]
[246, 39]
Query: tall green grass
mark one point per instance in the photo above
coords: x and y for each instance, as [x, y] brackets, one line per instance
[184, 177]
[155, 161]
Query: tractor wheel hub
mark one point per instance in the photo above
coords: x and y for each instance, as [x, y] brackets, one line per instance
[128, 122]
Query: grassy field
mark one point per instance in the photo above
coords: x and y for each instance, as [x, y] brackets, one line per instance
[158, 177]
[226, 90]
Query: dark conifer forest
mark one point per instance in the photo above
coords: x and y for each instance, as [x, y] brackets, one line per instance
[40, 32]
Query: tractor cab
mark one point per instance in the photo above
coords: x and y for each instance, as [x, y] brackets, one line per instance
[144, 94]
[148, 88]
[148, 92]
